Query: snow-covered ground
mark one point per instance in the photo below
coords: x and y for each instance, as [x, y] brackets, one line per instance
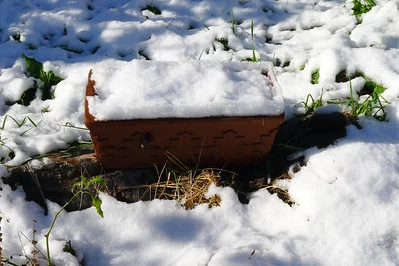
[346, 209]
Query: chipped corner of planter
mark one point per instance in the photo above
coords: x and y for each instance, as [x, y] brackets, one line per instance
[207, 142]
[90, 91]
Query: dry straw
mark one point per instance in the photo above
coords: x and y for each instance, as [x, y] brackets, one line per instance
[189, 189]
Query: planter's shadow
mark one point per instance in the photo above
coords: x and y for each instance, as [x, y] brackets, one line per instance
[178, 228]
[293, 137]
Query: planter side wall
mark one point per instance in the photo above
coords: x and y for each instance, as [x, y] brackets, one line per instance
[209, 142]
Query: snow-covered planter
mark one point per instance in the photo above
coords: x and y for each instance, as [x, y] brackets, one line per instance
[140, 113]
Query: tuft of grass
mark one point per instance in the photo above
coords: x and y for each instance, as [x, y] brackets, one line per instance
[368, 102]
[233, 22]
[362, 6]
[373, 104]
[253, 58]
[19, 124]
[310, 104]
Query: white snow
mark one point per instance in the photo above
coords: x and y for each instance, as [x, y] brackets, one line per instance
[142, 89]
[346, 209]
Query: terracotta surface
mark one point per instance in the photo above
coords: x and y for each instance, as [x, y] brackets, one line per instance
[213, 142]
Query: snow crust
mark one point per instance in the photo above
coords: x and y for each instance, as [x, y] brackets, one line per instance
[346, 196]
[189, 89]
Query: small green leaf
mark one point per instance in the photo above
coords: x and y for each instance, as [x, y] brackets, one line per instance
[97, 204]
[48, 79]
[362, 6]
[379, 89]
[97, 180]
[76, 186]
[54, 80]
[34, 67]
[315, 77]
[84, 181]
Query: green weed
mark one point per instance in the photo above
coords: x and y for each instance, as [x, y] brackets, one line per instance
[315, 77]
[35, 69]
[362, 6]
[83, 187]
[370, 102]
[310, 104]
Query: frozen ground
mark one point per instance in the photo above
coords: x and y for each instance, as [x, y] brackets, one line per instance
[346, 209]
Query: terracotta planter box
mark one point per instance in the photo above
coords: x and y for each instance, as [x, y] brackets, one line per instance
[203, 141]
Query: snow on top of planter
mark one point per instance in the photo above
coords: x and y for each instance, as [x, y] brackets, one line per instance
[183, 89]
